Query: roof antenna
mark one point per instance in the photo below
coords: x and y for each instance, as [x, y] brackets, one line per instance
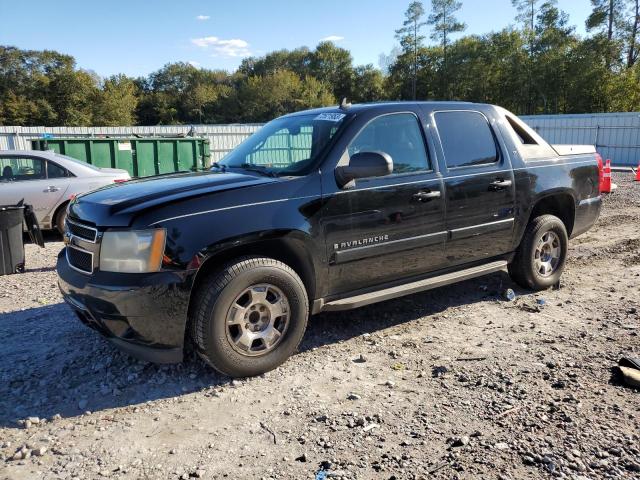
[344, 105]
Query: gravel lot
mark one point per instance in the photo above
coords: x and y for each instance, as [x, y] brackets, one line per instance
[452, 383]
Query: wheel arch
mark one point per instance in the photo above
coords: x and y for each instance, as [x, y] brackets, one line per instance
[56, 212]
[560, 203]
[292, 248]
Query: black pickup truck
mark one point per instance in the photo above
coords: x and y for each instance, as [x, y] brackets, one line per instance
[322, 210]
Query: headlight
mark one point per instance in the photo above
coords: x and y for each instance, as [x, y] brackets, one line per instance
[136, 251]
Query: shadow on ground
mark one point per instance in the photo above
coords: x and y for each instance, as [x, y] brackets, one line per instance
[52, 364]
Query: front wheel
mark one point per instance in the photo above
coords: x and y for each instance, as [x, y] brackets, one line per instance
[61, 218]
[249, 317]
[540, 259]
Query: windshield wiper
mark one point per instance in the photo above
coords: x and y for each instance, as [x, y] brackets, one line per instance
[258, 168]
[219, 166]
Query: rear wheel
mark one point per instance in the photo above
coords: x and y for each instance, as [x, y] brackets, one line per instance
[540, 259]
[249, 317]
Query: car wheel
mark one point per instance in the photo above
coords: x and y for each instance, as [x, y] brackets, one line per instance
[250, 316]
[540, 259]
[61, 217]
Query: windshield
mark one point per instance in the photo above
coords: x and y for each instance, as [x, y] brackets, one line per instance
[287, 145]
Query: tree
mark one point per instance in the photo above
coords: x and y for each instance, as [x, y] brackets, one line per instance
[410, 38]
[368, 84]
[632, 26]
[332, 65]
[71, 94]
[605, 16]
[385, 61]
[116, 102]
[444, 23]
[262, 98]
[624, 90]
[296, 60]
[554, 41]
[534, 16]
[606, 19]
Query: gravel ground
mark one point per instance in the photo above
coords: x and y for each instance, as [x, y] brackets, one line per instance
[452, 383]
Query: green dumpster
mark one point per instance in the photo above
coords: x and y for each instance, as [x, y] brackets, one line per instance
[141, 157]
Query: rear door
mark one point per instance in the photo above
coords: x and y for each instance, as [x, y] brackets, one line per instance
[479, 186]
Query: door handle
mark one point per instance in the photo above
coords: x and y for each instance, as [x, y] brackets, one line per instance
[499, 184]
[426, 196]
[51, 189]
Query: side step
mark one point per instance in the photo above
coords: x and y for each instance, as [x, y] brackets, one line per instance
[414, 287]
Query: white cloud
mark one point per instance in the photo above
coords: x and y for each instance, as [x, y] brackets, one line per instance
[332, 38]
[223, 48]
[203, 17]
[193, 63]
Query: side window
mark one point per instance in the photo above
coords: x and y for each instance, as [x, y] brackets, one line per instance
[398, 135]
[17, 169]
[467, 139]
[56, 171]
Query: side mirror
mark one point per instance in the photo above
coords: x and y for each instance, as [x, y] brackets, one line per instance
[364, 165]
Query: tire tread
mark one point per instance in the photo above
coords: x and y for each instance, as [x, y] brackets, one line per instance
[211, 288]
[520, 268]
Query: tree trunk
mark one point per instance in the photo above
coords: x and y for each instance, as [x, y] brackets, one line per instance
[610, 31]
[415, 58]
[445, 88]
[633, 38]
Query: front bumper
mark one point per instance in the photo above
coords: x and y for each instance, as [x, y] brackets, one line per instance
[142, 314]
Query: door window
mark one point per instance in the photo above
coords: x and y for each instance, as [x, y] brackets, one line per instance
[56, 171]
[467, 139]
[15, 169]
[399, 136]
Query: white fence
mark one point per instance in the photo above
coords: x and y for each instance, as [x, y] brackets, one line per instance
[615, 135]
[222, 138]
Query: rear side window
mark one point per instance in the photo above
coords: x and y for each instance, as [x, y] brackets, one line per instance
[467, 139]
[397, 134]
[522, 135]
[56, 171]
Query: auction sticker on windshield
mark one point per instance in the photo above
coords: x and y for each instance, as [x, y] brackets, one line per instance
[331, 117]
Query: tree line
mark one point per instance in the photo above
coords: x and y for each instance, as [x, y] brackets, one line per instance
[538, 65]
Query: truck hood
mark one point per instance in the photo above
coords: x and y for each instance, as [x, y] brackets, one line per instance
[115, 205]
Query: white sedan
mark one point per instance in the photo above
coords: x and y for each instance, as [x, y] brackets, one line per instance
[47, 181]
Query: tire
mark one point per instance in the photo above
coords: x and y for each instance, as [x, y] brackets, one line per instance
[61, 216]
[528, 268]
[235, 292]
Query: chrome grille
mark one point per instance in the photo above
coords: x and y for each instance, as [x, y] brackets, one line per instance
[80, 260]
[84, 232]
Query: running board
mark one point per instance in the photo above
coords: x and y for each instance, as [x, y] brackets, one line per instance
[410, 288]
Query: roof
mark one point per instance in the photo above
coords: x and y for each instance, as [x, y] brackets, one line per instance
[29, 153]
[360, 107]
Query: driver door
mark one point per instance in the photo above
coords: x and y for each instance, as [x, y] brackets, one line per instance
[386, 228]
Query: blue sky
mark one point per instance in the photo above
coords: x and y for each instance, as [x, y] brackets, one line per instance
[137, 37]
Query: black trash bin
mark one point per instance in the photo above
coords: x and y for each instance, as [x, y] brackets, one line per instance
[11, 242]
